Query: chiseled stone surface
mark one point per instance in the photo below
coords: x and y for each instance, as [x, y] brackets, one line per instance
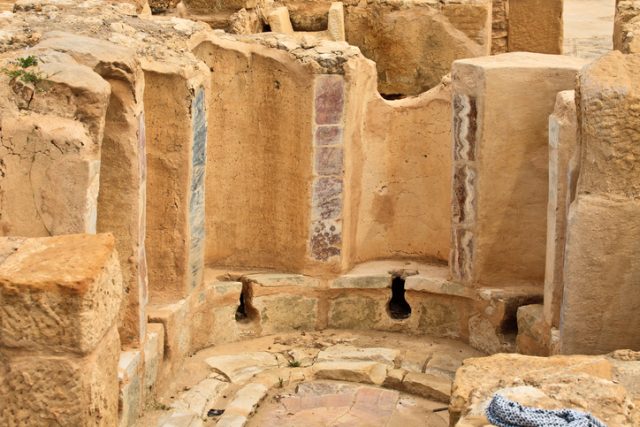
[599, 308]
[536, 26]
[59, 293]
[61, 389]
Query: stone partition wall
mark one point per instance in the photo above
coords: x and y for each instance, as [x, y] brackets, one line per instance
[176, 151]
[121, 199]
[59, 345]
[52, 145]
[602, 268]
[563, 171]
[260, 158]
[398, 172]
[501, 106]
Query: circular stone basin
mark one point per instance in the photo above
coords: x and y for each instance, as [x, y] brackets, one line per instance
[326, 403]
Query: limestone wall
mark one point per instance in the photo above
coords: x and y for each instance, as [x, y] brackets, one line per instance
[51, 140]
[176, 154]
[398, 172]
[501, 108]
[601, 273]
[259, 157]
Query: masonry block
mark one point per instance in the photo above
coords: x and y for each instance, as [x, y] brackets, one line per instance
[61, 389]
[59, 294]
[501, 109]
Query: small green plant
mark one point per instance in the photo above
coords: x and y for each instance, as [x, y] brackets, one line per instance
[21, 69]
[294, 364]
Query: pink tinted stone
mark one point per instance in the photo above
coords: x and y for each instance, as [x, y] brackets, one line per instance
[328, 135]
[329, 161]
[329, 99]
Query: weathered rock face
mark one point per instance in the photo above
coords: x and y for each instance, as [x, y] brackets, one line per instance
[490, 186]
[627, 27]
[51, 138]
[604, 218]
[386, 33]
[59, 346]
[535, 26]
[579, 382]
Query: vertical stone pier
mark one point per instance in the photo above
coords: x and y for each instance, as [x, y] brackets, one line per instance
[121, 199]
[59, 346]
[501, 106]
[602, 268]
[325, 234]
[563, 170]
[176, 151]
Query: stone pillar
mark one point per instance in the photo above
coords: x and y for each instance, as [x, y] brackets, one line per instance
[626, 27]
[59, 346]
[602, 267]
[50, 152]
[121, 199]
[500, 178]
[536, 26]
[562, 177]
[176, 151]
[325, 234]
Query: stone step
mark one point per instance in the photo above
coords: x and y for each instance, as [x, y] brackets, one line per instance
[238, 368]
[430, 386]
[385, 356]
[351, 371]
[243, 405]
[199, 397]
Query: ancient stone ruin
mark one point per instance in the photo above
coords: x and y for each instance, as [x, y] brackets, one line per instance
[313, 213]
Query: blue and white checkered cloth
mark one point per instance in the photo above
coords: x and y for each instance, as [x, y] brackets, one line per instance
[503, 412]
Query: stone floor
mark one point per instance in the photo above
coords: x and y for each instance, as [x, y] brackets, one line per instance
[588, 27]
[331, 403]
[326, 378]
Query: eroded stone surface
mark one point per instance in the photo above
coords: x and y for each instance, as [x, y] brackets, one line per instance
[68, 302]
